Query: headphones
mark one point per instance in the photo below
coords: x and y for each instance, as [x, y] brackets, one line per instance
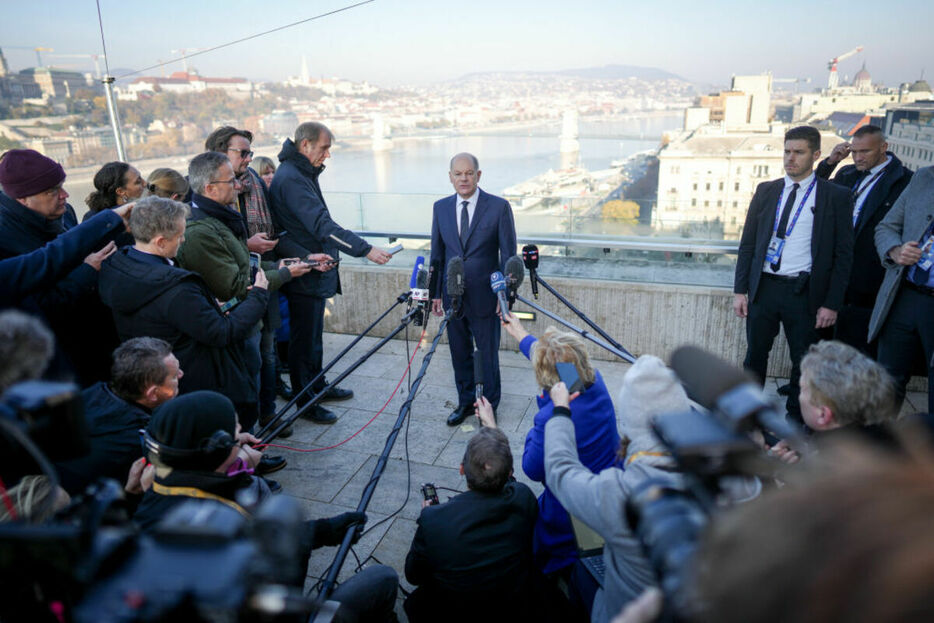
[217, 446]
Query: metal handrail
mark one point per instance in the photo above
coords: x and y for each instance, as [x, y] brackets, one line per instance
[725, 247]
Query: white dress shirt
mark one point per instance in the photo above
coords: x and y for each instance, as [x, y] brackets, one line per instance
[471, 206]
[796, 255]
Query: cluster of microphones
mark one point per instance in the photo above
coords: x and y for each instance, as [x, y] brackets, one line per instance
[425, 284]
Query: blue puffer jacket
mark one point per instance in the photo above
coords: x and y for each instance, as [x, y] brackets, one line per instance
[597, 443]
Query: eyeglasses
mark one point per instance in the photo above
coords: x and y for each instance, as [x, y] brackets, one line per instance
[244, 153]
[232, 180]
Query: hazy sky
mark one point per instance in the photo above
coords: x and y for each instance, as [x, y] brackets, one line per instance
[392, 42]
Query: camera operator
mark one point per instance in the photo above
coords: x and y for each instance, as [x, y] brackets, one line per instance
[842, 390]
[144, 375]
[199, 453]
[649, 389]
[471, 557]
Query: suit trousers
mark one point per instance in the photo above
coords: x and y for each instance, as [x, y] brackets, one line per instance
[778, 303]
[908, 327]
[463, 333]
[306, 349]
[852, 328]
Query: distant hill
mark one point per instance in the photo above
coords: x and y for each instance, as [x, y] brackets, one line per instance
[619, 72]
[607, 72]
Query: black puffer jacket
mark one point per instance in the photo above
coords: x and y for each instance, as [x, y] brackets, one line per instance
[150, 298]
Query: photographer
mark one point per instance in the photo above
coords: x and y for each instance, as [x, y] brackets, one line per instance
[649, 389]
[471, 557]
[595, 429]
[199, 454]
[144, 375]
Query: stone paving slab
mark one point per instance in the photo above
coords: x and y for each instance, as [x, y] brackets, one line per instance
[330, 482]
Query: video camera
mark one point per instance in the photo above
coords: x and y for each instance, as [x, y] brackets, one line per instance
[720, 462]
[203, 562]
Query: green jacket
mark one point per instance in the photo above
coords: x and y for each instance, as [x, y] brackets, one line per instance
[223, 260]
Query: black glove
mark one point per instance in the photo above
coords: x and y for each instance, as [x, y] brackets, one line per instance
[331, 531]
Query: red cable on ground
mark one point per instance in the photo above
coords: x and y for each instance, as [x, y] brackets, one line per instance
[386, 404]
[8, 502]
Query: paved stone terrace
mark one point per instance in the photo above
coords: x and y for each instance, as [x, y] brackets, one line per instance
[332, 481]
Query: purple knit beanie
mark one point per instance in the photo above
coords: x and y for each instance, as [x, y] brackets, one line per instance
[26, 172]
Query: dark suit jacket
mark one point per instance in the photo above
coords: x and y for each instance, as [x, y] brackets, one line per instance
[491, 241]
[831, 243]
[472, 556]
[867, 273]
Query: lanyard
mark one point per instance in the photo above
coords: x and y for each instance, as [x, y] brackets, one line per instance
[191, 492]
[778, 210]
[859, 189]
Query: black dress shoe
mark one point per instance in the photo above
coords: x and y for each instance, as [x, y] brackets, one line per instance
[320, 415]
[274, 486]
[269, 464]
[338, 393]
[784, 390]
[265, 419]
[460, 414]
[283, 389]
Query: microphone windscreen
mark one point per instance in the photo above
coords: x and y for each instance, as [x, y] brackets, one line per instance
[419, 262]
[530, 256]
[515, 271]
[434, 280]
[455, 276]
[421, 279]
[705, 376]
[498, 282]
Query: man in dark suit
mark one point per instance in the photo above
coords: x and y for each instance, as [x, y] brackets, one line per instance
[794, 259]
[876, 178]
[471, 557]
[299, 208]
[479, 228]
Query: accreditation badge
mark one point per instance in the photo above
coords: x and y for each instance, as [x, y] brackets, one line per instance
[774, 252]
[927, 254]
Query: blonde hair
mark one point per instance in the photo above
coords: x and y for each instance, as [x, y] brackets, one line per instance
[555, 346]
[166, 183]
[30, 496]
[263, 165]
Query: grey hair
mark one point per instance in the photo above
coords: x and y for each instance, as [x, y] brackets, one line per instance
[203, 167]
[464, 154]
[310, 131]
[26, 347]
[138, 364]
[156, 216]
[487, 460]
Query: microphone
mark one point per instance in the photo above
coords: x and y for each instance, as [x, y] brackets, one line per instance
[721, 387]
[419, 263]
[420, 296]
[515, 273]
[530, 257]
[455, 282]
[498, 284]
[477, 375]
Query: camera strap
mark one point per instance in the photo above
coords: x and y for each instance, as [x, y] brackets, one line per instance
[191, 492]
[642, 453]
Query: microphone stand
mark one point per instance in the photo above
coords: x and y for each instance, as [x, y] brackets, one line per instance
[278, 424]
[582, 316]
[620, 352]
[404, 410]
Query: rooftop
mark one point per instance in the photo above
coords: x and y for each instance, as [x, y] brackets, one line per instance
[329, 482]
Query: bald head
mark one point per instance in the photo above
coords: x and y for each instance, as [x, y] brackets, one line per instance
[465, 174]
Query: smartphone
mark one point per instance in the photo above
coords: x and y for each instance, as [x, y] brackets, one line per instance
[254, 266]
[395, 249]
[567, 372]
[276, 236]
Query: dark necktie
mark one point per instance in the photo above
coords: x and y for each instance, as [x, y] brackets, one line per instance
[465, 222]
[783, 221]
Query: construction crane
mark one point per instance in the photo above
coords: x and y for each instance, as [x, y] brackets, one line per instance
[38, 50]
[793, 81]
[833, 80]
[183, 52]
[95, 57]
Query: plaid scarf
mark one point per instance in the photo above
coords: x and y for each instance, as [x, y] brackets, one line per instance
[254, 205]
